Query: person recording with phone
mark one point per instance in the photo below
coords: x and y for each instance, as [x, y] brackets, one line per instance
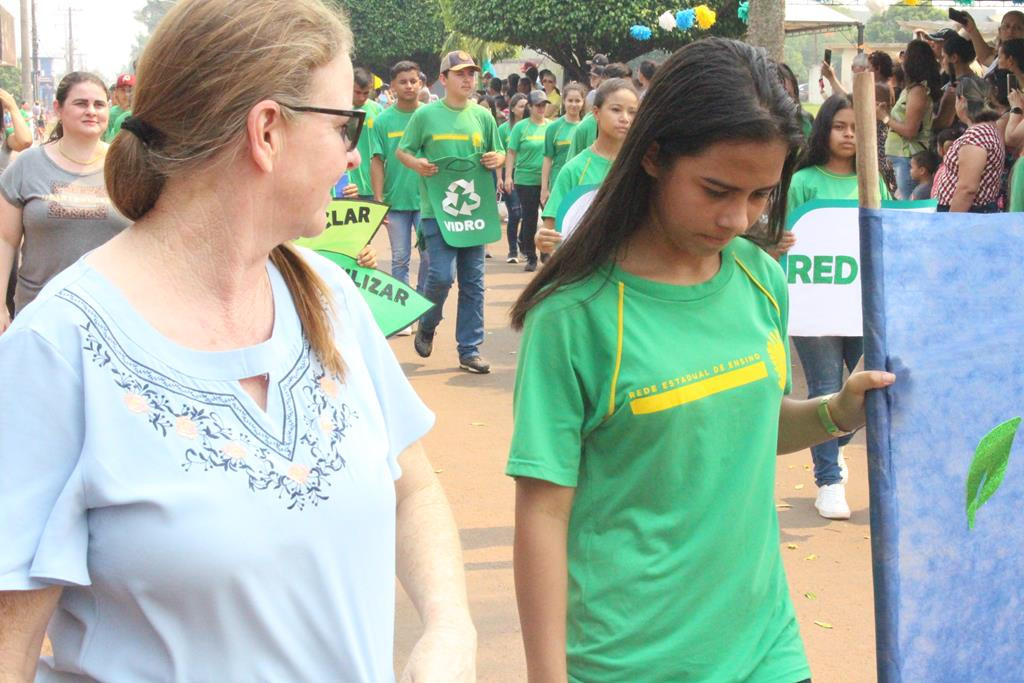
[1011, 26]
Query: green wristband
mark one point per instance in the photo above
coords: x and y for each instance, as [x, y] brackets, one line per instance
[825, 416]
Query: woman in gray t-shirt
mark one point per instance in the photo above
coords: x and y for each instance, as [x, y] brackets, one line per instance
[55, 195]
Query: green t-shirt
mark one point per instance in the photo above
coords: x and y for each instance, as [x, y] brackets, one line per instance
[660, 405]
[401, 183]
[504, 130]
[437, 131]
[587, 168]
[814, 182]
[584, 135]
[557, 140]
[114, 122]
[1016, 187]
[527, 140]
[360, 176]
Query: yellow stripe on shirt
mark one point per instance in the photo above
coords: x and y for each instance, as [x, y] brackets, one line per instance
[396, 133]
[698, 390]
[449, 136]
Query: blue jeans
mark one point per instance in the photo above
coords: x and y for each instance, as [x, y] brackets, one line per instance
[823, 359]
[401, 228]
[515, 215]
[445, 263]
[904, 183]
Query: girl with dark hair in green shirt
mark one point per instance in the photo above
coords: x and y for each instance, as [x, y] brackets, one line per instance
[650, 398]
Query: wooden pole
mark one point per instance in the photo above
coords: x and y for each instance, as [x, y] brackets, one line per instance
[867, 140]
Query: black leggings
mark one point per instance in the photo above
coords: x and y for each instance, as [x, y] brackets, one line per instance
[529, 196]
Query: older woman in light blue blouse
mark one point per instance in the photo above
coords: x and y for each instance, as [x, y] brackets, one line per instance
[210, 457]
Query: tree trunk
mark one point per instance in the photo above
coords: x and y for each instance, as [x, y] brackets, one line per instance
[766, 26]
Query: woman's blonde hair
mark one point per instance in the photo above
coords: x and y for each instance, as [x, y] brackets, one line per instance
[206, 65]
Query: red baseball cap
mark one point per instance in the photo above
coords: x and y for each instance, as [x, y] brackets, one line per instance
[125, 81]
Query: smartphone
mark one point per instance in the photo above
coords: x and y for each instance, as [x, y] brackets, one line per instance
[959, 16]
[828, 57]
[1009, 83]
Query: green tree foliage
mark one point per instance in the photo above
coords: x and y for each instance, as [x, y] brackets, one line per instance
[149, 15]
[387, 31]
[885, 28]
[10, 80]
[571, 32]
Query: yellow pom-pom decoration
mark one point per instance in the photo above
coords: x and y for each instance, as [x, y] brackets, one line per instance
[911, 3]
[705, 16]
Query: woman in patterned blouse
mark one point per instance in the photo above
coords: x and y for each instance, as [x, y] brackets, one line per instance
[974, 162]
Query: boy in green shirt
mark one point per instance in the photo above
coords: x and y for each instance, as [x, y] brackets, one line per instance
[393, 183]
[452, 127]
[122, 107]
[362, 85]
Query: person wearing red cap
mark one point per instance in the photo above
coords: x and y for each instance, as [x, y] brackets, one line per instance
[122, 108]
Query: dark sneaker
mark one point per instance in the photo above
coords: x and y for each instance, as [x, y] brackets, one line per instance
[531, 266]
[512, 258]
[487, 254]
[475, 364]
[423, 342]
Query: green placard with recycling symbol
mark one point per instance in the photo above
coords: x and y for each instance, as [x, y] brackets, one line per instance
[463, 197]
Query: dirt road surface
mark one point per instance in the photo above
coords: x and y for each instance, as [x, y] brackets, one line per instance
[828, 563]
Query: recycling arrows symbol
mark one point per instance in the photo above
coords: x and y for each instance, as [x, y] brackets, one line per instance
[465, 191]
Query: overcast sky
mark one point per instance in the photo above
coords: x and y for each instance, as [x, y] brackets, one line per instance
[104, 32]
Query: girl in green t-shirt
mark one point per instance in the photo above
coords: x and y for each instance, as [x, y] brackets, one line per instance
[523, 160]
[829, 171]
[558, 137]
[513, 207]
[615, 105]
[649, 398]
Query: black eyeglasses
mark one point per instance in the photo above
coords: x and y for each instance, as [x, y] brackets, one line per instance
[353, 127]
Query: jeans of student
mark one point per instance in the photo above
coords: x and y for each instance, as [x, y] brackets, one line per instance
[515, 215]
[529, 196]
[445, 263]
[904, 183]
[401, 232]
[823, 359]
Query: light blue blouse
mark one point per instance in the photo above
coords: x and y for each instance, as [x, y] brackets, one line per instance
[198, 537]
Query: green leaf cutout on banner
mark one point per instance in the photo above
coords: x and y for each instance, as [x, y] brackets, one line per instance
[351, 224]
[394, 304]
[464, 199]
[989, 466]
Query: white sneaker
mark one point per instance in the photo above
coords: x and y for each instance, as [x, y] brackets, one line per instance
[831, 502]
[844, 471]
[404, 332]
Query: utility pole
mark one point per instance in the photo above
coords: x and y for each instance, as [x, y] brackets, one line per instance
[35, 54]
[71, 45]
[26, 66]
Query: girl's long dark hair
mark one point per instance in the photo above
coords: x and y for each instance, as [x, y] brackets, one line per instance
[512, 118]
[710, 91]
[920, 66]
[818, 149]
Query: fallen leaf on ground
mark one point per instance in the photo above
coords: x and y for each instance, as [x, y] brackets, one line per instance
[867, 538]
[438, 471]
[810, 596]
[811, 557]
[783, 506]
[823, 624]
[792, 546]
[807, 467]
[792, 467]
[477, 424]
[798, 487]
